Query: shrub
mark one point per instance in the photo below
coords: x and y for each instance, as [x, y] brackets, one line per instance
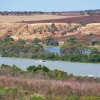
[23, 99]
[37, 97]
[8, 38]
[22, 41]
[63, 33]
[91, 34]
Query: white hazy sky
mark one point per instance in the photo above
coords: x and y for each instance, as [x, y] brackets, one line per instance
[48, 5]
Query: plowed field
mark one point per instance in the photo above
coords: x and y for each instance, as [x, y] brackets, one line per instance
[95, 19]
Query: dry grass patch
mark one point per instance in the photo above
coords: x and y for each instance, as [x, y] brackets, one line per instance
[28, 18]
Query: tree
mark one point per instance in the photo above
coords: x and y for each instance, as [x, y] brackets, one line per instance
[81, 23]
[36, 41]
[53, 26]
[91, 34]
[45, 69]
[52, 31]
[89, 13]
[95, 51]
[72, 39]
[31, 68]
[34, 31]
[1, 41]
[53, 13]
[78, 47]
[40, 31]
[69, 22]
[93, 42]
[63, 33]
[8, 38]
[22, 41]
[27, 28]
[81, 12]
[50, 41]
[99, 42]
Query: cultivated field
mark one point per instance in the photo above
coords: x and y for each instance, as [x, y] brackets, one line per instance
[29, 18]
[33, 18]
[73, 19]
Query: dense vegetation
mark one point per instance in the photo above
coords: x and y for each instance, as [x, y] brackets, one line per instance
[73, 50]
[41, 83]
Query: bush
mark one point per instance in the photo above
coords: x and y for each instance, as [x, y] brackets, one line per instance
[8, 38]
[23, 99]
[63, 33]
[91, 34]
[37, 97]
[22, 41]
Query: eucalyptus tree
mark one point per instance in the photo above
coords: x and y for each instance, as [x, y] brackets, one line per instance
[50, 41]
[36, 41]
[22, 41]
[76, 47]
[8, 38]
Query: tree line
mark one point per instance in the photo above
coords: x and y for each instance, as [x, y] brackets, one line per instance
[41, 12]
[73, 50]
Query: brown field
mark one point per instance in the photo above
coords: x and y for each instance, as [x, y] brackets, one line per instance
[74, 19]
[29, 18]
[80, 37]
[33, 18]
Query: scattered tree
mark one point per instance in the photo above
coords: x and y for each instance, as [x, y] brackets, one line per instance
[36, 41]
[8, 38]
[22, 41]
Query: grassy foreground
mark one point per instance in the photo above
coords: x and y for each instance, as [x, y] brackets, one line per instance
[41, 83]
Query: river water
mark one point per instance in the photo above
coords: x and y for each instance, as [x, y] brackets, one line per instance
[78, 69]
[54, 50]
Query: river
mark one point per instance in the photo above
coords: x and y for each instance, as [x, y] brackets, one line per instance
[78, 69]
[54, 50]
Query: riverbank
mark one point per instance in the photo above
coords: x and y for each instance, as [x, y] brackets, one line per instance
[77, 69]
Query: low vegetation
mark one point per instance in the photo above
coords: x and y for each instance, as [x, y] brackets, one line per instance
[41, 83]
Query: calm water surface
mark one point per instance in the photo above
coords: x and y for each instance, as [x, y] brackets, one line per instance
[54, 50]
[79, 69]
